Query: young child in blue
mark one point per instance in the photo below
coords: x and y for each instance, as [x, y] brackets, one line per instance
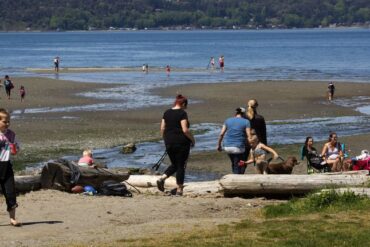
[8, 147]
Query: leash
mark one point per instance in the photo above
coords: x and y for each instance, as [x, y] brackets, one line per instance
[269, 160]
[159, 162]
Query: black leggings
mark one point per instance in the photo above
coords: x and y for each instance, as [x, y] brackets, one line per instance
[8, 90]
[178, 154]
[8, 185]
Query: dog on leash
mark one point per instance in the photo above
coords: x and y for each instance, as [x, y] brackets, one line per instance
[285, 167]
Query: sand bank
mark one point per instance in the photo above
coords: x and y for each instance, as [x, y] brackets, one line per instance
[106, 69]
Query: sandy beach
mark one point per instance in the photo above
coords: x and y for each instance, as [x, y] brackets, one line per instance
[57, 218]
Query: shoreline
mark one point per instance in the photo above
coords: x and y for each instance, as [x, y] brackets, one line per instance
[184, 29]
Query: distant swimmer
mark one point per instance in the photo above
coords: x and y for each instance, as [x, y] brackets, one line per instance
[211, 63]
[168, 70]
[221, 62]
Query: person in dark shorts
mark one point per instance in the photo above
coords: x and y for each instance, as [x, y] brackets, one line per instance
[8, 84]
[56, 64]
[8, 147]
[178, 140]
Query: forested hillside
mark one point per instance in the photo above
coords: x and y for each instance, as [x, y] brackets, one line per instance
[103, 14]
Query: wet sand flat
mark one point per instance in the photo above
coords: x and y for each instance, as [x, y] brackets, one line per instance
[46, 134]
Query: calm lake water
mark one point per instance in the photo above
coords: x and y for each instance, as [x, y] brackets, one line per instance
[322, 54]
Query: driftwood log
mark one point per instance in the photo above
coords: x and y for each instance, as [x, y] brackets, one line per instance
[148, 184]
[28, 183]
[147, 181]
[57, 175]
[252, 185]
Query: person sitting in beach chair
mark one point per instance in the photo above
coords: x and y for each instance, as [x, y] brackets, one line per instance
[86, 160]
[333, 153]
[315, 163]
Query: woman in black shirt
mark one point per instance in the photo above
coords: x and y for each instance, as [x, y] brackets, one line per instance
[178, 140]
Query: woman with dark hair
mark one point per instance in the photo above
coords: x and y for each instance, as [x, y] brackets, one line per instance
[178, 140]
[333, 153]
[313, 158]
[235, 130]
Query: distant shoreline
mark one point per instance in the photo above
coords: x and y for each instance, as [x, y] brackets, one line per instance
[190, 29]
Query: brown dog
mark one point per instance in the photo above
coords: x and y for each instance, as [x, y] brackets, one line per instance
[285, 167]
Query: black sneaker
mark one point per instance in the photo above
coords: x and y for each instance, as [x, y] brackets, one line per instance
[160, 185]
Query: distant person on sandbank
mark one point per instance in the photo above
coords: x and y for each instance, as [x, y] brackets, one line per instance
[331, 89]
[8, 84]
[22, 92]
[56, 64]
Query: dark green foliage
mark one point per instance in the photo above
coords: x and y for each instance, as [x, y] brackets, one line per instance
[102, 14]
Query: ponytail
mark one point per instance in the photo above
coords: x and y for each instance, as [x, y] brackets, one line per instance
[252, 105]
[181, 100]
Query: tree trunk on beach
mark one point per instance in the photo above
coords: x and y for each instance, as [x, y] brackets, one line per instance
[58, 175]
[146, 181]
[252, 185]
[28, 183]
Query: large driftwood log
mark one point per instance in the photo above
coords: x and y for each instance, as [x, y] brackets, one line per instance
[146, 181]
[29, 183]
[250, 185]
[57, 175]
[148, 184]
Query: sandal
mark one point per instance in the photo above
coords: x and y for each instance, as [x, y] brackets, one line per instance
[15, 223]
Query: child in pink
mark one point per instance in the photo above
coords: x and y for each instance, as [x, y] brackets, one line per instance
[22, 92]
[86, 160]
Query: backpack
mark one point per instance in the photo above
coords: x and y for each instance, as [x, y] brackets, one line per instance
[112, 188]
[8, 83]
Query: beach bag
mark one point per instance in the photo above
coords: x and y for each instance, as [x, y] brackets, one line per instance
[315, 161]
[112, 188]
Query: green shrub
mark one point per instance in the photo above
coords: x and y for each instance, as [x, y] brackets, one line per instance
[330, 201]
